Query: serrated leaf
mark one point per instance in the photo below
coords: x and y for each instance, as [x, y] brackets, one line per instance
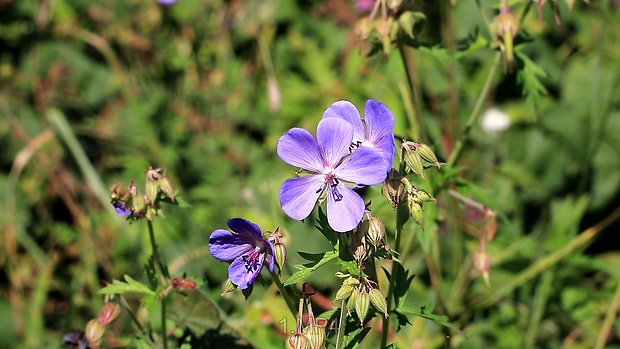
[529, 76]
[423, 312]
[130, 286]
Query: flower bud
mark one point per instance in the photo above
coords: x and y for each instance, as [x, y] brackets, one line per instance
[428, 155]
[376, 231]
[506, 27]
[165, 186]
[138, 204]
[364, 27]
[119, 192]
[358, 242]
[94, 332]
[109, 313]
[413, 160]
[393, 187]
[351, 281]
[422, 196]
[151, 190]
[313, 331]
[362, 303]
[377, 299]
[482, 263]
[343, 292]
[416, 212]
[279, 250]
[298, 341]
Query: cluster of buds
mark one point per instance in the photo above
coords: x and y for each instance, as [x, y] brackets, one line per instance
[387, 20]
[506, 26]
[415, 156]
[92, 336]
[369, 238]
[359, 293]
[402, 194]
[130, 203]
[309, 337]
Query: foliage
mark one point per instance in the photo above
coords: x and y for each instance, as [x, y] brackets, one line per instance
[93, 92]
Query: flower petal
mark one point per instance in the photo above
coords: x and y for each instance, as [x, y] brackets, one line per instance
[345, 208]
[227, 246]
[379, 120]
[245, 227]
[298, 195]
[334, 137]
[385, 146]
[347, 111]
[365, 166]
[242, 273]
[297, 147]
[272, 255]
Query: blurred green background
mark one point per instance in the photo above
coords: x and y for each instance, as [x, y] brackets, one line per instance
[92, 92]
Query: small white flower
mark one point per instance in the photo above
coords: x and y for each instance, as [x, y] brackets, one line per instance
[494, 121]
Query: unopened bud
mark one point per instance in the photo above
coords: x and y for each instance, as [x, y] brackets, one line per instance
[428, 155]
[94, 332]
[119, 192]
[151, 190]
[343, 292]
[165, 186]
[109, 313]
[351, 281]
[416, 212]
[506, 27]
[422, 196]
[279, 250]
[298, 341]
[138, 204]
[413, 160]
[377, 299]
[358, 243]
[316, 335]
[376, 231]
[482, 263]
[364, 27]
[362, 303]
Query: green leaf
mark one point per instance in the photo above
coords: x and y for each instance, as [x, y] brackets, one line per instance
[422, 312]
[318, 260]
[129, 286]
[529, 76]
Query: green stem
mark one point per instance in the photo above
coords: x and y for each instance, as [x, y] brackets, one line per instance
[284, 293]
[390, 295]
[341, 325]
[416, 121]
[158, 266]
[475, 113]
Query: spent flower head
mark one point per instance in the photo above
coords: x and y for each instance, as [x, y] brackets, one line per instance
[329, 161]
[245, 247]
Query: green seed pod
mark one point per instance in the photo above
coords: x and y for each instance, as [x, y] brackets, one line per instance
[377, 299]
[352, 299]
[362, 303]
[298, 341]
[364, 27]
[427, 154]
[94, 332]
[138, 204]
[423, 196]
[351, 281]
[343, 292]
[316, 335]
[151, 190]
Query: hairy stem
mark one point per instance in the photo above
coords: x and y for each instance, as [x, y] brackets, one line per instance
[287, 297]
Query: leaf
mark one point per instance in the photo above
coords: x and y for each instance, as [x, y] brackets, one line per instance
[130, 286]
[422, 312]
[529, 76]
[306, 269]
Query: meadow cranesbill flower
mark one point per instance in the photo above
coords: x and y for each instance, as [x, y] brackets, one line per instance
[329, 161]
[245, 247]
[374, 131]
[120, 209]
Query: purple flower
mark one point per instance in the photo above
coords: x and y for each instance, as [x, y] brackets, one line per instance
[167, 2]
[245, 248]
[121, 210]
[375, 131]
[330, 162]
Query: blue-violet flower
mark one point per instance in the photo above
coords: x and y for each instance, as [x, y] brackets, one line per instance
[329, 160]
[375, 131]
[245, 248]
[120, 209]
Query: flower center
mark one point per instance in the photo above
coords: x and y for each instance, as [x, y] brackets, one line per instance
[252, 259]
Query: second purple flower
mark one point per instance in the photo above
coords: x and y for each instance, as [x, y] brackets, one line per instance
[331, 165]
